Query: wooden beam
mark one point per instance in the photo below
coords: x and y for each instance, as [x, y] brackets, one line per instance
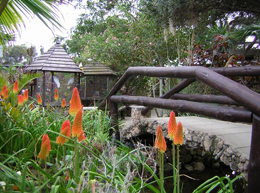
[205, 98]
[254, 158]
[215, 111]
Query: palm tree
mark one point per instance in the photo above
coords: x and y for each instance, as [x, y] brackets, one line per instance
[245, 31]
[12, 12]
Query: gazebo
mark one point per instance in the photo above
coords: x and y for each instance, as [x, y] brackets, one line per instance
[96, 81]
[58, 71]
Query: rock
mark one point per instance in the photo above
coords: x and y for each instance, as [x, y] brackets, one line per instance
[189, 167]
[207, 143]
[198, 166]
[186, 158]
[216, 165]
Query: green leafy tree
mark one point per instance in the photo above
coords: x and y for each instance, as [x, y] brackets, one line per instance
[18, 54]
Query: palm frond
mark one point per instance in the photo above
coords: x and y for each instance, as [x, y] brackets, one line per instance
[12, 16]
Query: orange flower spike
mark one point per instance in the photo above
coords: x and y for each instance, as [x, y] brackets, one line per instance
[16, 87]
[4, 89]
[172, 125]
[6, 94]
[160, 142]
[77, 125]
[82, 136]
[63, 103]
[39, 99]
[178, 138]
[56, 95]
[65, 130]
[20, 100]
[45, 147]
[25, 95]
[75, 102]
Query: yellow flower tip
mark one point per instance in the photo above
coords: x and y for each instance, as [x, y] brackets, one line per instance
[16, 87]
[65, 130]
[75, 103]
[25, 95]
[45, 147]
[56, 95]
[77, 124]
[160, 142]
[82, 136]
[178, 138]
[20, 100]
[39, 99]
[172, 125]
[63, 103]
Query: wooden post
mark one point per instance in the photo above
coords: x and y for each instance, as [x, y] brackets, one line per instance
[254, 158]
[113, 112]
[52, 88]
[43, 88]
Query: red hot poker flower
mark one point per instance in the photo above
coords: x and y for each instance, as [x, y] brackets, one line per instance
[178, 138]
[20, 100]
[4, 89]
[56, 95]
[172, 125]
[75, 103]
[45, 147]
[39, 99]
[65, 130]
[25, 95]
[5, 94]
[77, 125]
[160, 142]
[63, 103]
[16, 87]
[82, 136]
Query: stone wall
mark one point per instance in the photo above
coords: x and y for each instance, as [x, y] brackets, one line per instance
[199, 148]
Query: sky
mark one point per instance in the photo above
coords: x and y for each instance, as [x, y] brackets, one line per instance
[35, 33]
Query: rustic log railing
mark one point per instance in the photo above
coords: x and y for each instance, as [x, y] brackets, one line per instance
[233, 94]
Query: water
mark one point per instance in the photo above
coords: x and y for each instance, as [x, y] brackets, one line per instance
[188, 185]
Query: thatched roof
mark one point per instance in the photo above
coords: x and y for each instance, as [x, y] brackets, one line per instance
[55, 60]
[97, 69]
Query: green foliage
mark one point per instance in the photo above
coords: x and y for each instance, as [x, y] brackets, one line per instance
[223, 184]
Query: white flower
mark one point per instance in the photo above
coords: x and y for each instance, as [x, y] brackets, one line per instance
[2, 183]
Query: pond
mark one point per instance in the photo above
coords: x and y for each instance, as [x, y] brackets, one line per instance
[191, 180]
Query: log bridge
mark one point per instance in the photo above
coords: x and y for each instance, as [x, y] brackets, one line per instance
[237, 103]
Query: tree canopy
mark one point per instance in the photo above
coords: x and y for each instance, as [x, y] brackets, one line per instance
[197, 12]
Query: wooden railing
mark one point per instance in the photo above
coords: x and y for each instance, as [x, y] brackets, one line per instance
[248, 101]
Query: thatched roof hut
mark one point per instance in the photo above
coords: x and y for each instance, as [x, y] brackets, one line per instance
[96, 81]
[57, 69]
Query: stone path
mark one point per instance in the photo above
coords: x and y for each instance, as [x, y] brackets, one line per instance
[237, 135]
